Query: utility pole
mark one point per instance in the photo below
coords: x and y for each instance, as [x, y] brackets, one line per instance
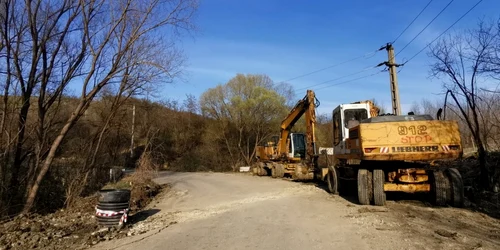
[132, 137]
[391, 64]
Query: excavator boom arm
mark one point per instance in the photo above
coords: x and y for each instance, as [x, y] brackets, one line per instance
[307, 106]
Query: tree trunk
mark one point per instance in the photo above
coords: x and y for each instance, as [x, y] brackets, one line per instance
[50, 157]
[484, 175]
[18, 159]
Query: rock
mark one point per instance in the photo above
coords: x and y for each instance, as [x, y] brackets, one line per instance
[36, 227]
[446, 234]
[35, 238]
[24, 236]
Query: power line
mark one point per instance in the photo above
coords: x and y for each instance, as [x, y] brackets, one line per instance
[369, 54]
[352, 80]
[453, 24]
[415, 37]
[414, 19]
[336, 79]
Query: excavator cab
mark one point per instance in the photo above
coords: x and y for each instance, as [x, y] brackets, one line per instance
[297, 145]
[347, 116]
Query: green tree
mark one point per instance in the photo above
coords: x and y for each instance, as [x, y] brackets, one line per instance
[247, 110]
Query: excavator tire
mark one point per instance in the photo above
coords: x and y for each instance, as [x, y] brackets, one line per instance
[379, 196]
[255, 170]
[364, 187]
[263, 171]
[280, 170]
[456, 187]
[274, 173]
[332, 180]
[370, 186]
[440, 188]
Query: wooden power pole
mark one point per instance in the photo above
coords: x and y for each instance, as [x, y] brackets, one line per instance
[391, 64]
[133, 132]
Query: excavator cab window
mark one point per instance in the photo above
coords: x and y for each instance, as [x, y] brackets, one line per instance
[298, 145]
[352, 117]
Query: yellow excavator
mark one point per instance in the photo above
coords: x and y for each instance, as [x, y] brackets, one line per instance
[394, 152]
[292, 154]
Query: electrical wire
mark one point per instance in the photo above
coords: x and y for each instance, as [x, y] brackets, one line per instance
[352, 80]
[415, 37]
[414, 19]
[453, 24]
[336, 79]
[366, 55]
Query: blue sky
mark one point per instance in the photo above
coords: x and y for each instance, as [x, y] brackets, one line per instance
[285, 39]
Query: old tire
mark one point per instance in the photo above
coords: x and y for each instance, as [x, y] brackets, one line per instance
[112, 200]
[440, 188]
[332, 180]
[112, 206]
[456, 187]
[114, 195]
[363, 187]
[379, 196]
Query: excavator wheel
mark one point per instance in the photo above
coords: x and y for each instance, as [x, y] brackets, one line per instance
[274, 173]
[280, 171]
[332, 180]
[263, 172]
[379, 196]
[456, 187]
[365, 187]
[255, 170]
[440, 188]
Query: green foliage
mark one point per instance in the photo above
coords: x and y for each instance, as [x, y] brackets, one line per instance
[247, 110]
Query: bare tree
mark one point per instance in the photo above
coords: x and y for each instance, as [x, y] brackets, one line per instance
[122, 46]
[461, 58]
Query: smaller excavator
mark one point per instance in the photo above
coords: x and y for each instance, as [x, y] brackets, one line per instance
[292, 154]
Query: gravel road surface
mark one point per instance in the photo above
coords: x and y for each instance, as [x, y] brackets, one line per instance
[240, 211]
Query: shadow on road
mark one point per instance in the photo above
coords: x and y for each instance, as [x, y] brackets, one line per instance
[142, 215]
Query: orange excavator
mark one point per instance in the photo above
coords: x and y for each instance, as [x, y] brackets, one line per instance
[292, 154]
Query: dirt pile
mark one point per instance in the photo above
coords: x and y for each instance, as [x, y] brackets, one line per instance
[76, 227]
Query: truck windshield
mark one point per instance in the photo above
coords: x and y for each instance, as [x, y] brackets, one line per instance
[354, 114]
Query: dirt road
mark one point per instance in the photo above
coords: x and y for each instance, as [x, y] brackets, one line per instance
[239, 211]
